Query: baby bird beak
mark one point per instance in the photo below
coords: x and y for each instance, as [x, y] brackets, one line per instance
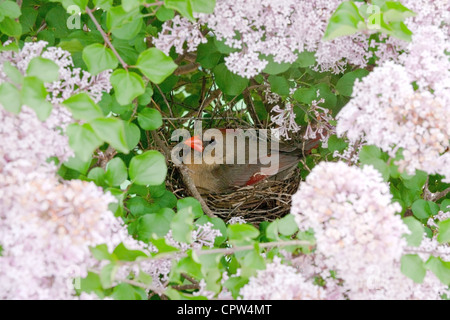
[195, 143]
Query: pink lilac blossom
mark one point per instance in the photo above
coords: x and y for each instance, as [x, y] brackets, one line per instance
[387, 112]
[236, 220]
[357, 230]
[176, 32]
[46, 226]
[71, 80]
[285, 120]
[280, 282]
[258, 28]
[321, 126]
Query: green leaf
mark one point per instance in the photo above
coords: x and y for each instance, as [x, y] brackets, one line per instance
[10, 97]
[440, 268]
[154, 224]
[368, 153]
[150, 119]
[83, 107]
[139, 206]
[129, 5]
[207, 54]
[235, 284]
[77, 164]
[182, 225]
[167, 200]
[44, 69]
[103, 4]
[83, 140]
[182, 6]
[192, 203]
[12, 73]
[101, 252]
[155, 65]
[417, 230]
[107, 275]
[230, 83]
[242, 232]
[306, 59]
[413, 267]
[91, 283]
[395, 11]
[11, 27]
[124, 254]
[279, 85]
[203, 6]
[424, 209]
[305, 95]
[148, 168]
[287, 225]
[124, 291]
[444, 231]
[345, 83]
[415, 182]
[124, 24]
[132, 134]
[112, 131]
[34, 96]
[127, 86]
[344, 21]
[116, 172]
[10, 9]
[97, 175]
[28, 19]
[146, 98]
[336, 144]
[445, 205]
[99, 58]
[164, 14]
[273, 67]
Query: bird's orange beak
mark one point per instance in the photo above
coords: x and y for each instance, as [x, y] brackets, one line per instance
[195, 143]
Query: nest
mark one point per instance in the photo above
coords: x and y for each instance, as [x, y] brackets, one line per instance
[265, 201]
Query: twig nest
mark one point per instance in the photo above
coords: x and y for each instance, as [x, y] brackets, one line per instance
[265, 201]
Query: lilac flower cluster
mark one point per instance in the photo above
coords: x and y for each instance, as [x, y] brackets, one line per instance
[358, 232]
[280, 282]
[282, 30]
[387, 111]
[178, 31]
[46, 226]
[285, 120]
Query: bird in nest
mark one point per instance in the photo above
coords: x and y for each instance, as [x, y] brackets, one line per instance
[228, 159]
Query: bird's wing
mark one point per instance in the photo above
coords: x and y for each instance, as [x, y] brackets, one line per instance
[248, 174]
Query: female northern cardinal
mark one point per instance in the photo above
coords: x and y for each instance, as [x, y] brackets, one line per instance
[223, 177]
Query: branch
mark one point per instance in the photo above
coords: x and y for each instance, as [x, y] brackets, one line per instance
[251, 107]
[439, 195]
[106, 38]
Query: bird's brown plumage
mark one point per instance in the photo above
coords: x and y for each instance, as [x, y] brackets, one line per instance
[223, 178]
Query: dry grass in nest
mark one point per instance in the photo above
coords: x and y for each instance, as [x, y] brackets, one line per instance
[266, 201]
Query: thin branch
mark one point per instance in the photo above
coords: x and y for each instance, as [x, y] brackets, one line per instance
[165, 100]
[228, 251]
[251, 107]
[106, 38]
[439, 195]
[187, 68]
